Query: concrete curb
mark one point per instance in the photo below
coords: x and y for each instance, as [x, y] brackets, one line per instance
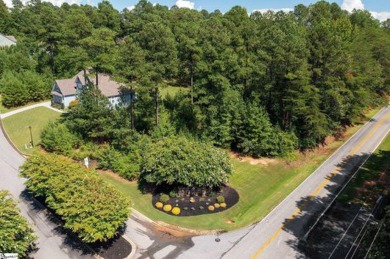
[194, 232]
[8, 139]
[133, 247]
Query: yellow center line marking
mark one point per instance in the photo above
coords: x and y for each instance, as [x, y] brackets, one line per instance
[319, 188]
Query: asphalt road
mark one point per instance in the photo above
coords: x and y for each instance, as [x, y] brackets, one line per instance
[52, 243]
[278, 234]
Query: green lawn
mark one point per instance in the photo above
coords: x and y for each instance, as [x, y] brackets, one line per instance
[261, 188]
[366, 186]
[172, 91]
[17, 126]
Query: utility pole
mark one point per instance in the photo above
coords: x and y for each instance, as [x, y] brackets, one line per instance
[31, 137]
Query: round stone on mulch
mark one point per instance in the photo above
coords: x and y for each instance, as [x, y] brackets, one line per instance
[199, 205]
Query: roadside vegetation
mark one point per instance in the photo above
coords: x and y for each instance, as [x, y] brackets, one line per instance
[371, 182]
[16, 235]
[88, 206]
[372, 179]
[261, 184]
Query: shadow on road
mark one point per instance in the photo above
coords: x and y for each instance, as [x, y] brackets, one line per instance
[52, 225]
[337, 233]
[162, 240]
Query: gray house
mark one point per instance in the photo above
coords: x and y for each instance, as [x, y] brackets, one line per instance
[66, 90]
[7, 41]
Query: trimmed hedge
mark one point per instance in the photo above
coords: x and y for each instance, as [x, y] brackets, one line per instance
[167, 208]
[159, 205]
[220, 199]
[176, 211]
[164, 198]
[90, 207]
[16, 235]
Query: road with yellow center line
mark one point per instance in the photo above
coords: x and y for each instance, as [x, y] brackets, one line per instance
[322, 185]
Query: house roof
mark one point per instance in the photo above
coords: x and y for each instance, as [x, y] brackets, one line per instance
[6, 41]
[108, 87]
[67, 86]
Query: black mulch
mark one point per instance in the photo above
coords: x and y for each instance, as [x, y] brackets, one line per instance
[201, 204]
[117, 248]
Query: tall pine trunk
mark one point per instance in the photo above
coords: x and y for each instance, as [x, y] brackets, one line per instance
[157, 104]
[132, 108]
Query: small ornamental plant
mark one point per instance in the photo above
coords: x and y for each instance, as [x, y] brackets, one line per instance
[167, 208]
[223, 205]
[220, 199]
[164, 198]
[159, 205]
[211, 208]
[217, 206]
[176, 211]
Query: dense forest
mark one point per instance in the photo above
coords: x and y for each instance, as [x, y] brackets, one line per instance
[263, 84]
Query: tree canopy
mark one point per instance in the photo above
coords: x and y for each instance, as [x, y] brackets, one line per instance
[308, 73]
[177, 161]
[90, 207]
[16, 235]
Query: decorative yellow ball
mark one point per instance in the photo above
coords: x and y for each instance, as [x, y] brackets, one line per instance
[176, 211]
[211, 208]
[223, 205]
[216, 205]
[159, 205]
[167, 208]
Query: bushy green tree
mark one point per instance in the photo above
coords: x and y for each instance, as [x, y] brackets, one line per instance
[180, 161]
[16, 235]
[57, 138]
[89, 206]
[14, 92]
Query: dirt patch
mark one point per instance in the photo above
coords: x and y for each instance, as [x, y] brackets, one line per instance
[116, 176]
[176, 231]
[253, 161]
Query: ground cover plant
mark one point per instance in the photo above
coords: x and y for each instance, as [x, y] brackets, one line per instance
[16, 235]
[89, 207]
[17, 127]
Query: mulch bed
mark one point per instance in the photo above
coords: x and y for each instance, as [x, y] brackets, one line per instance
[201, 204]
[118, 248]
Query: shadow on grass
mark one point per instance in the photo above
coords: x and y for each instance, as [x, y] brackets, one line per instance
[339, 226]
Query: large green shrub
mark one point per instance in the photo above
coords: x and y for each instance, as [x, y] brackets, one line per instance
[126, 165]
[57, 138]
[180, 161]
[16, 236]
[89, 206]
